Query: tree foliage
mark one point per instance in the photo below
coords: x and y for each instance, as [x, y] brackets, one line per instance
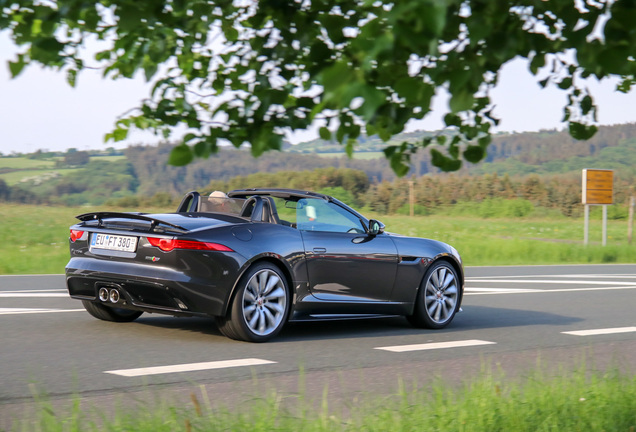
[247, 71]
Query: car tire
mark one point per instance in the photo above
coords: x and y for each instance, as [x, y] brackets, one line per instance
[106, 313]
[438, 298]
[259, 307]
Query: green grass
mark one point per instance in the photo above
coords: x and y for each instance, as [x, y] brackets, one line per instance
[25, 163]
[519, 240]
[356, 155]
[38, 169]
[35, 238]
[39, 176]
[571, 401]
[109, 158]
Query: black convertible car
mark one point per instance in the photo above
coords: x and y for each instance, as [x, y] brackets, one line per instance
[257, 258]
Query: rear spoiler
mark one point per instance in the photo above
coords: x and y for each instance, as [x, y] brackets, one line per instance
[154, 222]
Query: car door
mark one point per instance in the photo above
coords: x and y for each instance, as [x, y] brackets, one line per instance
[344, 263]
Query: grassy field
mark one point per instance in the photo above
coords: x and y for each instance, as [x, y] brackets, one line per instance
[356, 155]
[25, 163]
[571, 401]
[21, 168]
[35, 238]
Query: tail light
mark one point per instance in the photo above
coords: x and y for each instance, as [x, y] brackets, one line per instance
[168, 244]
[78, 235]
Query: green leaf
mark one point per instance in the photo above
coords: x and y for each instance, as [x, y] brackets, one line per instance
[336, 76]
[461, 100]
[349, 147]
[538, 61]
[120, 134]
[484, 141]
[581, 131]
[180, 155]
[71, 77]
[586, 104]
[474, 154]
[201, 149]
[16, 67]
[452, 120]
[444, 162]
[565, 83]
[399, 164]
[373, 99]
[390, 151]
[325, 133]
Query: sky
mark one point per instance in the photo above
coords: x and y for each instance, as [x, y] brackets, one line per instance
[40, 111]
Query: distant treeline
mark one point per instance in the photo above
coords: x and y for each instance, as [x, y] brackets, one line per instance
[541, 169]
[489, 195]
[17, 194]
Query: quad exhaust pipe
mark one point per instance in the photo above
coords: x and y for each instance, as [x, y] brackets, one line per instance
[111, 295]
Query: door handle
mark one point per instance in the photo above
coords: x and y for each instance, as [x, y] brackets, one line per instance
[320, 250]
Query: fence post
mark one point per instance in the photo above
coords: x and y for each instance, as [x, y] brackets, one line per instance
[411, 198]
[630, 219]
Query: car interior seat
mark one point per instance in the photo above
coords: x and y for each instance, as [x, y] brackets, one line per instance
[253, 208]
[270, 214]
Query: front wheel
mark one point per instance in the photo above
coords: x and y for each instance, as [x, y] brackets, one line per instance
[438, 298]
[106, 313]
[260, 305]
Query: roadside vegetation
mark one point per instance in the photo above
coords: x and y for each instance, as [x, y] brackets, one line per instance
[570, 401]
[35, 238]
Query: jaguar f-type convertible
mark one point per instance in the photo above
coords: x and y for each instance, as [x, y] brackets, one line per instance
[255, 259]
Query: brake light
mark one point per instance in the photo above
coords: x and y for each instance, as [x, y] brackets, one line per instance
[77, 235]
[168, 244]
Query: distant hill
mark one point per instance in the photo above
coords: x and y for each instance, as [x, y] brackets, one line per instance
[365, 144]
[517, 154]
[143, 170]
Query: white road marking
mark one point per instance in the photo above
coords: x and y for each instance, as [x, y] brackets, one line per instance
[435, 345]
[37, 293]
[498, 290]
[473, 291]
[37, 290]
[601, 331]
[189, 367]
[577, 275]
[21, 311]
[25, 294]
[548, 281]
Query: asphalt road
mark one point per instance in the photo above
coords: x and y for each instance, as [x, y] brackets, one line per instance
[514, 319]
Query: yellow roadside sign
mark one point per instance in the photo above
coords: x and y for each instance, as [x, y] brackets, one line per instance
[598, 186]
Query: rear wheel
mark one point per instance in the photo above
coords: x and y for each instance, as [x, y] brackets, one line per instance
[260, 305]
[106, 313]
[438, 298]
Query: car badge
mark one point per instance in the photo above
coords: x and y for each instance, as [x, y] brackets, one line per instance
[153, 258]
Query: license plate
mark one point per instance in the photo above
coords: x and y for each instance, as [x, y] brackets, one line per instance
[114, 242]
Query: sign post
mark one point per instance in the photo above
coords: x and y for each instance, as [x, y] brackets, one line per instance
[598, 189]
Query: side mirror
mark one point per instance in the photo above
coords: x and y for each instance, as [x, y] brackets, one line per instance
[375, 227]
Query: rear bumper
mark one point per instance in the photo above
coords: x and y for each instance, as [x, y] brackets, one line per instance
[156, 289]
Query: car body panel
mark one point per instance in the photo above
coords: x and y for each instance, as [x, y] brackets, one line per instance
[350, 266]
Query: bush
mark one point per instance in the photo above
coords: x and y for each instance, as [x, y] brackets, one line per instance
[419, 210]
[340, 194]
[493, 208]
